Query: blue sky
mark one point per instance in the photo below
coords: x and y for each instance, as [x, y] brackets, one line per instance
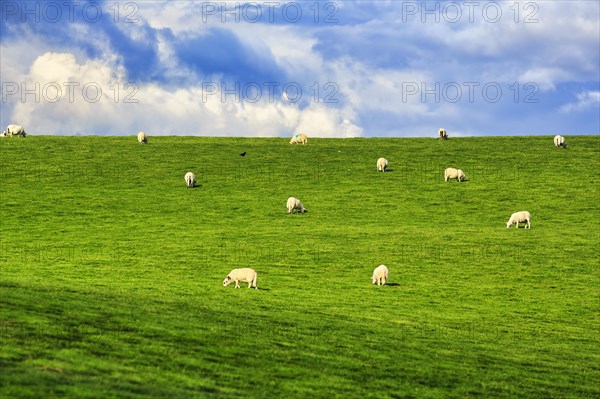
[327, 68]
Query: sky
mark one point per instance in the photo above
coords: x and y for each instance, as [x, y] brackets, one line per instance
[324, 68]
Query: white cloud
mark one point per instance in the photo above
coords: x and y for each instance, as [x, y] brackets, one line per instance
[553, 41]
[174, 15]
[545, 78]
[100, 104]
[318, 120]
[389, 90]
[585, 100]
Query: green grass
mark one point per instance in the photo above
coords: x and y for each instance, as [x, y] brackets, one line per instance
[111, 270]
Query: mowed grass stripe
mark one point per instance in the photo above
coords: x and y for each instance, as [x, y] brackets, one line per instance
[112, 269]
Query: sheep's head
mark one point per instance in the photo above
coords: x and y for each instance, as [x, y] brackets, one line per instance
[227, 281]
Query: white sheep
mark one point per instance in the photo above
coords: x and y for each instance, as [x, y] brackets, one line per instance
[519, 217]
[295, 203]
[14, 130]
[190, 179]
[559, 141]
[452, 173]
[142, 138]
[382, 164]
[443, 134]
[245, 275]
[380, 275]
[299, 138]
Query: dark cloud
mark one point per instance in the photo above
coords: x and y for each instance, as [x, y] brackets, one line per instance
[219, 52]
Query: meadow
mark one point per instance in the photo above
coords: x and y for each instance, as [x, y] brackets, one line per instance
[111, 269]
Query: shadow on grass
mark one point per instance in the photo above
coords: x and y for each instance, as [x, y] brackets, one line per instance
[393, 284]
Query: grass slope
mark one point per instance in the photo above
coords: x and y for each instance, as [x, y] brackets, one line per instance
[111, 269]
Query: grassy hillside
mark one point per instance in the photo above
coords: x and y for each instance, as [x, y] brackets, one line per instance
[111, 270]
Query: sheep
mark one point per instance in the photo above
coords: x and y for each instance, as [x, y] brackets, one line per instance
[443, 134]
[14, 130]
[382, 164]
[245, 275]
[190, 180]
[380, 275]
[295, 203]
[452, 173]
[559, 141]
[299, 138]
[519, 217]
[142, 138]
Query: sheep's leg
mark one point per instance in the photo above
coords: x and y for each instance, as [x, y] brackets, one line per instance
[237, 284]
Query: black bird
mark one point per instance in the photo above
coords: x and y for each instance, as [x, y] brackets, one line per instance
[243, 154]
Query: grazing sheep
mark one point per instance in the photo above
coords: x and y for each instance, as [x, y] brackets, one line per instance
[190, 180]
[382, 164]
[245, 275]
[14, 130]
[295, 203]
[452, 173]
[519, 217]
[142, 138]
[443, 134]
[299, 138]
[559, 141]
[380, 275]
